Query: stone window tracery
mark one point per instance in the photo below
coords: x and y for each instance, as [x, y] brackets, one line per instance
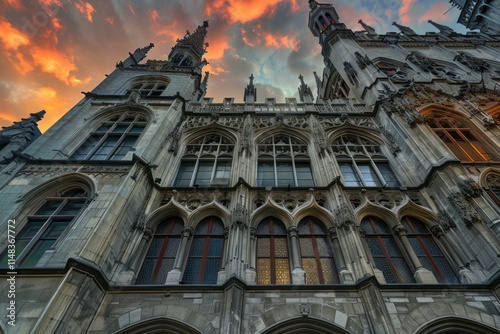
[459, 137]
[385, 251]
[149, 88]
[362, 162]
[161, 253]
[207, 161]
[283, 161]
[273, 263]
[46, 225]
[316, 252]
[205, 256]
[113, 139]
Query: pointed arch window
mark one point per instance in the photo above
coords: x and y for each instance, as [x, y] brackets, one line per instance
[161, 253]
[44, 228]
[283, 161]
[113, 139]
[205, 257]
[428, 251]
[207, 162]
[362, 163]
[149, 88]
[459, 138]
[273, 263]
[316, 252]
[385, 251]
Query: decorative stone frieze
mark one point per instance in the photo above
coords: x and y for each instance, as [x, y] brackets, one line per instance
[445, 221]
[239, 216]
[464, 209]
[51, 170]
[344, 216]
[469, 188]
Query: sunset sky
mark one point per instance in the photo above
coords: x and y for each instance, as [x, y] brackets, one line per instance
[52, 50]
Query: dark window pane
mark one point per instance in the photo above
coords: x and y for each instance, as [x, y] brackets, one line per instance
[37, 252]
[204, 175]
[369, 176]
[265, 174]
[388, 175]
[184, 174]
[351, 178]
[284, 173]
[304, 175]
[48, 208]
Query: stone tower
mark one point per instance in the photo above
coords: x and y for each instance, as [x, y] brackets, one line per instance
[372, 207]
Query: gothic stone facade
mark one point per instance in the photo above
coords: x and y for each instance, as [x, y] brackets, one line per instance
[373, 208]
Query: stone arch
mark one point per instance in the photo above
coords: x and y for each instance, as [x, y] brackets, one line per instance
[453, 325]
[143, 78]
[188, 320]
[278, 129]
[425, 215]
[429, 317]
[489, 177]
[289, 318]
[210, 209]
[364, 132]
[314, 210]
[36, 196]
[449, 111]
[270, 208]
[119, 109]
[375, 210]
[172, 208]
[210, 129]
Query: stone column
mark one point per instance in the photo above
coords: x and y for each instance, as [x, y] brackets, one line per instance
[139, 254]
[175, 275]
[298, 275]
[421, 274]
[345, 274]
[250, 273]
[465, 275]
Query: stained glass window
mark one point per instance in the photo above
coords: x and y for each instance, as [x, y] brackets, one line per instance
[316, 252]
[161, 253]
[385, 251]
[362, 163]
[44, 228]
[113, 139]
[283, 161]
[428, 251]
[460, 138]
[207, 162]
[273, 263]
[205, 257]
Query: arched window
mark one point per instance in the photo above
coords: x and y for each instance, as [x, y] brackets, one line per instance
[459, 138]
[45, 226]
[207, 161]
[385, 252]
[161, 253]
[428, 251]
[205, 257]
[113, 139]
[316, 252]
[283, 161]
[273, 263]
[362, 163]
[492, 187]
[149, 88]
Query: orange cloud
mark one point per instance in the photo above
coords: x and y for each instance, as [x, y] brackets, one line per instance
[11, 37]
[110, 20]
[15, 4]
[389, 13]
[22, 65]
[131, 8]
[215, 70]
[404, 11]
[261, 37]
[85, 8]
[243, 10]
[431, 13]
[58, 64]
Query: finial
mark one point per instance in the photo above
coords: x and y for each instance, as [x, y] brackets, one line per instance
[313, 4]
[304, 91]
[405, 30]
[251, 79]
[301, 78]
[442, 28]
[367, 28]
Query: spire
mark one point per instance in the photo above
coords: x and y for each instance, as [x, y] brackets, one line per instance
[405, 30]
[367, 28]
[319, 84]
[305, 92]
[134, 58]
[250, 92]
[196, 40]
[442, 28]
[202, 89]
[460, 4]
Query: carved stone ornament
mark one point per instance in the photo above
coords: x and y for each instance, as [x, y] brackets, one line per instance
[140, 223]
[247, 136]
[175, 136]
[445, 221]
[239, 215]
[464, 209]
[437, 231]
[345, 216]
[319, 136]
[304, 310]
[488, 121]
[363, 61]
[351, 72]
[392, 142]
[332, 233]
[399, 231]
[469, 188]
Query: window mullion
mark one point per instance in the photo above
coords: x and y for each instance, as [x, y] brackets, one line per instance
[357, 171]
[294, 171]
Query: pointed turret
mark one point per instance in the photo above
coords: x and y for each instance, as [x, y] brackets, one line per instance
[321, 17]
[305, 93]
[369, 30]
[189, 50]
[202, 90]
[319, 84]
[405, 30]
[442, 28]
[19, 135]
[250, 92]
[134, 58]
